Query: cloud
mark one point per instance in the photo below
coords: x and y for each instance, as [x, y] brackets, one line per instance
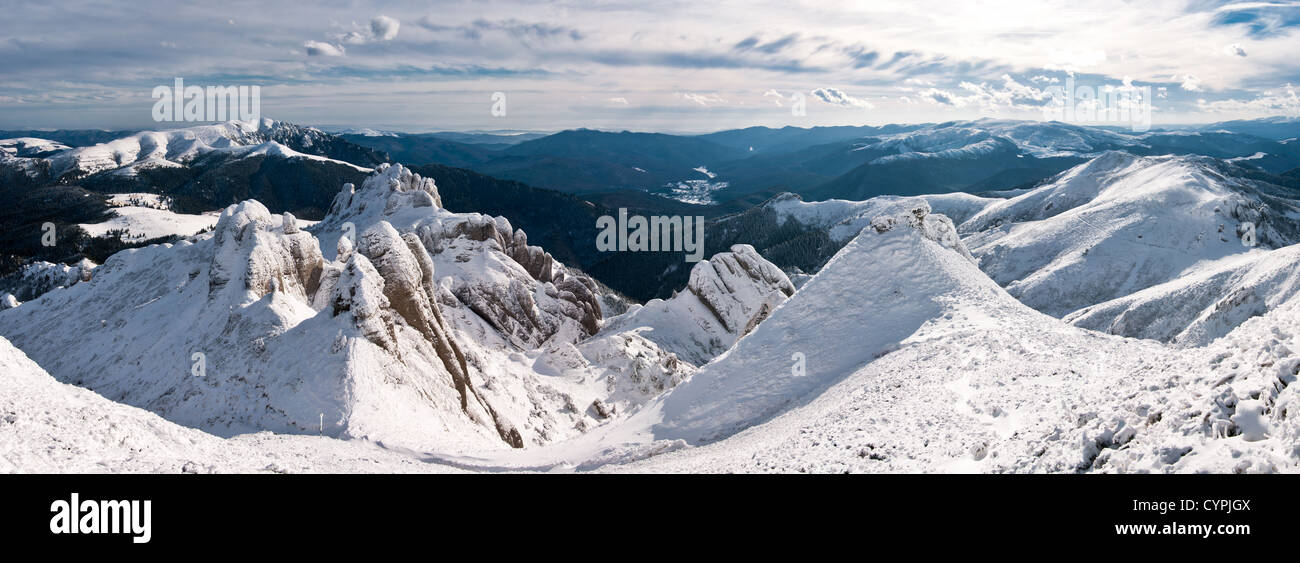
[384, 28]
[619, 101]
[1047, 79]
[322, 49]
[1234, 49]
[1271, 102]
[753, 43]
[776, 97]
[937, 96]
[518, 29]
[837, 97]
[1010, 94]
[704, 100]
[1190, 83]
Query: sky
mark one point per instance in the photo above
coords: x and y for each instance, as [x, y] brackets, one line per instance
[666, 65]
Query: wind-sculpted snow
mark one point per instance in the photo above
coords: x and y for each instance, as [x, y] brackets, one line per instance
[727, 296]
[1120, 224]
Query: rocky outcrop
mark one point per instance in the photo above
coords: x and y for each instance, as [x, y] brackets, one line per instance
[727, 296]
[739, 287]
[246, 249]
[38, 277]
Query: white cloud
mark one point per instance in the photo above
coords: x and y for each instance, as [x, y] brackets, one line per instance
[704, 100]
[837, 97]
[1234, 50]
[1190, 83]
[1270, 102]
[1010, 94]
[618, 100]
[322, 49]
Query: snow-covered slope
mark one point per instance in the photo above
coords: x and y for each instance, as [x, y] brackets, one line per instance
[49, 427]
[727, 296]
[1120, 223]
[962, 379]
[38, 277]
[1204, 303]
[920, 262]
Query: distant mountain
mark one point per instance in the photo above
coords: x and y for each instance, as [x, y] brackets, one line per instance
[595, 161]
[202, 168]
[69, 137]
[757, 140]
[427, 148]
[1277, 128]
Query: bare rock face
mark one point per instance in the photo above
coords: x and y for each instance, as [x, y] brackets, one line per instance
[538, 295]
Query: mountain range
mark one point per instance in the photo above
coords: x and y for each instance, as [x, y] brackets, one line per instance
[991, 296]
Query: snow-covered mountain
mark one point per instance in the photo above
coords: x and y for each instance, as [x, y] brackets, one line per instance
[969, 139]
[1132, 313]
[432, 329]
[949, 373]
[1120, 223]
[179, 147]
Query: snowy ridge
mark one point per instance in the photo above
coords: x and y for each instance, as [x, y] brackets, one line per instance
[179, 146]
[30, 147]
[843, 219]
[1119, 224]
[968, 139]
[754, 380]
[38, 277]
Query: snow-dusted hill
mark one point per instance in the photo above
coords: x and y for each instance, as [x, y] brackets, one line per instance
[1120, 223]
